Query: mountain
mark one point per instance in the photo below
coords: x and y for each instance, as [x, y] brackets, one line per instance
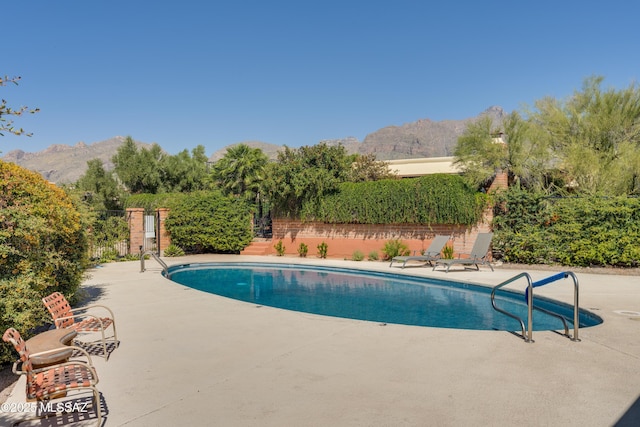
[61, 163]
[423, 138]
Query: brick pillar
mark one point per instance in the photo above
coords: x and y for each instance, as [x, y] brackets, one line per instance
[135, 218]
[500, 182]
[164, 239]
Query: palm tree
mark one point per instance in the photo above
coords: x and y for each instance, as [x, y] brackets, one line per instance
[241, 171]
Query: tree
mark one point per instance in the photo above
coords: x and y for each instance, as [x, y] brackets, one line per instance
[184, 172]
[241, 171]
[486, 148]
[305, 175]
[139, 169]
[589, 143]
[480, 153]
[99, 187]
[151, 170]
[5, 110]
[365, 167]
[595, 137]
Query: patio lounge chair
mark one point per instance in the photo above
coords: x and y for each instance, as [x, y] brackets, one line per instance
[479, 254]
[431, 254]
[65, 317]
[55, 381]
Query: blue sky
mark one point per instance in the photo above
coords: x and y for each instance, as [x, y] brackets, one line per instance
[214, 73]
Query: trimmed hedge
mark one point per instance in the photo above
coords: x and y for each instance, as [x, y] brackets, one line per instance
[577, 231]
[202, 222]
[151, 202]
[43, 248]
[432, 199]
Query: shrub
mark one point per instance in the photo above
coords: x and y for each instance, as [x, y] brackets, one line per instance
[433, 199]
[43, 249]
[357, 255]
[323, 248]
[575, 231]
[209, 222]
[173, 250]
[130, 257]
[394, 248]
[302, 250]
[280, 248]
[108, 255]
[151, 202]
[107, 232]
[373, 256]
[447, 252]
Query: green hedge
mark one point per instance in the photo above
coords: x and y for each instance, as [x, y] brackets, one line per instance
[433, 199]
[151, 202]
[203, 222]
[576, 231]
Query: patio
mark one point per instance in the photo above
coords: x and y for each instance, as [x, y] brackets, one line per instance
[191, 358]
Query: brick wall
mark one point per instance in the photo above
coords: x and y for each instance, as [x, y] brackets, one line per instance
[135, 218]
[343, 239]
[136, 229]
[500, 182]
[163, 237]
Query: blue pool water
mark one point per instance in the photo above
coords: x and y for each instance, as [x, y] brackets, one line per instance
[372, 296]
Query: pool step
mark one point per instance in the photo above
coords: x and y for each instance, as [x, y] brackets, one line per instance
[257, 248]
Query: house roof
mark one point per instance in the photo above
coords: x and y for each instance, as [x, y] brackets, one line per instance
[406, 168]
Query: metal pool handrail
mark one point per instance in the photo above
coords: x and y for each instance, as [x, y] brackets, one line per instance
[528, 337]
[165, 268]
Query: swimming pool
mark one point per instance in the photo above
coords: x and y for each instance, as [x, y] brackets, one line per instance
[372, 296]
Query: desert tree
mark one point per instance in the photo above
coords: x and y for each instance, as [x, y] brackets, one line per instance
[6, 125]
[512, 146]
[365, 167]
[595, 137]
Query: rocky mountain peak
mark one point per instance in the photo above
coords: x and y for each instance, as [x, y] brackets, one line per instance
[63, 163]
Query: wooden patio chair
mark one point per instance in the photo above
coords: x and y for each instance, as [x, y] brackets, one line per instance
[79, 320]
[55, 381]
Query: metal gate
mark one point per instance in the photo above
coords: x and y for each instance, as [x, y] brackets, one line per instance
[150, 233]
[109, 235]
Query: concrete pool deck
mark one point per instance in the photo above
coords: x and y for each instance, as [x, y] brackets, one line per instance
[196, 359]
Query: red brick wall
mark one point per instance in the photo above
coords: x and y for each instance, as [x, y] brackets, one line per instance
[164, 238]
[343, 239]
[136, 229]
[500, 182]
